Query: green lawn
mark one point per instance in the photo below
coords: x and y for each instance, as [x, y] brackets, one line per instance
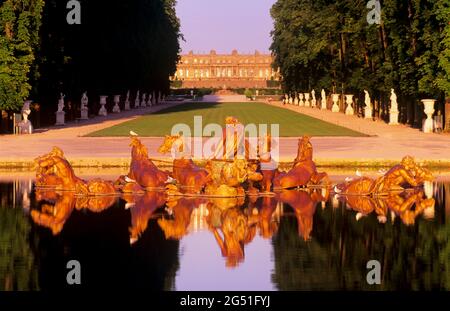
[292, 124]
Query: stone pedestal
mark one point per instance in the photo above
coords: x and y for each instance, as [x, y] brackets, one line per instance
[368, 113]
[393, 117]
[349, 101]
[335, 98]
[60, 118]
[323, 104]
[428, 125]
[103, 112]
[307, 103]
[84, 114]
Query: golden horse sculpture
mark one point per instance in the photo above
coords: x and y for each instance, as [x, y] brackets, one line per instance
[59, 206]
[55, 172]
[303, 172]
[187, 174]
[304, 205]
[407, 206]
[401, 176]
[142, 170]
[232, 231]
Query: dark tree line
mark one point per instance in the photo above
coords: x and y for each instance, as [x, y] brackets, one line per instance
[119, 46]
[330, 44]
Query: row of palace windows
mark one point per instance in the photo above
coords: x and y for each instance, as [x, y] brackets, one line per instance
[223, 61]
[200, 73]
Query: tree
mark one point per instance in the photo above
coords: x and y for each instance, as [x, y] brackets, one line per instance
[443, 15]
[119, 46]
[20, 21]
[330, 44]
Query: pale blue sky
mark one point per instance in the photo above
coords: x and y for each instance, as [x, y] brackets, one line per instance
[225, 25]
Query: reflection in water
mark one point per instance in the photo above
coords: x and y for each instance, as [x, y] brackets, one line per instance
[319, 242]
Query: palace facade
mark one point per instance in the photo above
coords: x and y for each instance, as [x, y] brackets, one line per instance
[225, 70]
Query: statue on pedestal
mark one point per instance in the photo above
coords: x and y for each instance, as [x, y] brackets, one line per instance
[368, 108]
[393, 112]
[313, 101]
[25, 125]
[144, 100]
[127, 101]
[60, 114]
[84, 107]
[137, 101]
[324, 100]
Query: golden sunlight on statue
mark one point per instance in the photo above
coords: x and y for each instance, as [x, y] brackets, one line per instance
[405, 175]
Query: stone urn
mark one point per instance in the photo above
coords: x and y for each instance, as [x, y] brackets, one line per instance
[349, 101]
[428, 125]
[307, 103]
[335, 98]
[301, 103]
[103, 112]
[116, 108]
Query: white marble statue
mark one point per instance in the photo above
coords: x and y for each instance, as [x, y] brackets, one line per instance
[323, 100]
[127, 101]
[61, 103]
[368, 106]
[154, 98]
[144, 100]
[84, 107]
[393, 111]
[137, 100]
[313, 100]
[291, 100]
[286, 98]
[25, 125]
[61, 114]
[149, 102]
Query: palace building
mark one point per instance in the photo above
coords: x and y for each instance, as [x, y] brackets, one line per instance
[226, 70]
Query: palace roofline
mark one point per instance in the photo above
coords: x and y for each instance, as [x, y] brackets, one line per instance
[233, 52]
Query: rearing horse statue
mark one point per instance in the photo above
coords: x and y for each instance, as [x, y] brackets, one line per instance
[185, 171]
[142, 170]
[304, 170]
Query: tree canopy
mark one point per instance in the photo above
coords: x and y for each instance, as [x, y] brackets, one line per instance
[330, 44]
[119, 45]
